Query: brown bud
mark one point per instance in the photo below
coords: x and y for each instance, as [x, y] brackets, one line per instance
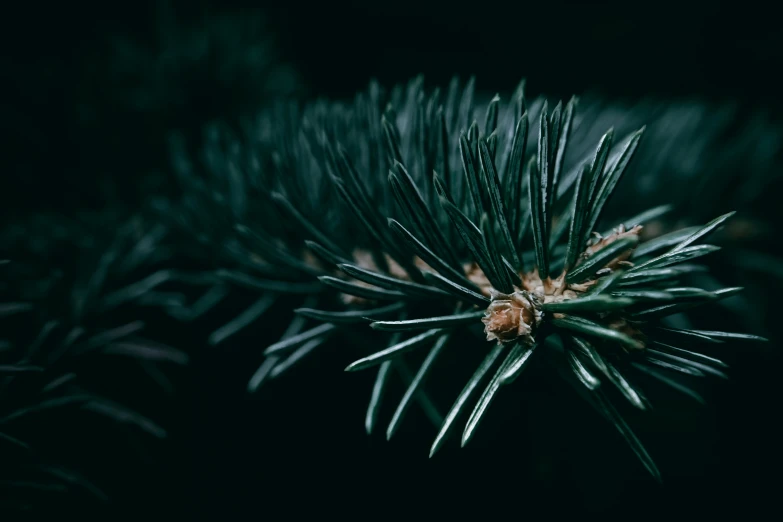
[510, 317]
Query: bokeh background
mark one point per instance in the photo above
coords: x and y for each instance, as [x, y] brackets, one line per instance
[96, 89]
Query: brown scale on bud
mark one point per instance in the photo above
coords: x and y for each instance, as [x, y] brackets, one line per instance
[551, 290]
[511, 317]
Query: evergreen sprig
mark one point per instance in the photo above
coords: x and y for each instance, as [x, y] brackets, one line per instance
[403, 203]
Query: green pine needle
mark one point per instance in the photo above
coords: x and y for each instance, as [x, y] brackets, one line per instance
[505, 242]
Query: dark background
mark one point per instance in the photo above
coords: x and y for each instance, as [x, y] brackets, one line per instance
[67, 121]
[299, 450]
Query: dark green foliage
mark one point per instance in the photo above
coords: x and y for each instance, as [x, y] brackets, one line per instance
[370, 190]
[74, 299]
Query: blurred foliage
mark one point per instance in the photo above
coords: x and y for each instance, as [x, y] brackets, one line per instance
[93, 115]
